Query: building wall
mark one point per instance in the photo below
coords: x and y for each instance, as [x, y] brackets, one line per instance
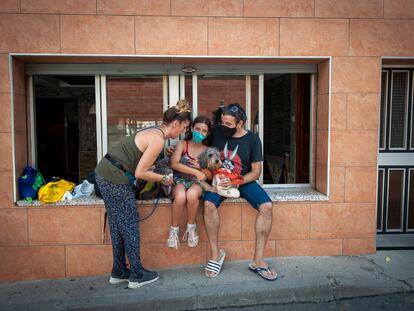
[50, 242]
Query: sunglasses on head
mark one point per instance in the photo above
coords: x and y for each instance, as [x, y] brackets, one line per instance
[236, 110]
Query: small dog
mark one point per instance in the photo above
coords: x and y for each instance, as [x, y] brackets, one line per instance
[209, 159]
[150, 190]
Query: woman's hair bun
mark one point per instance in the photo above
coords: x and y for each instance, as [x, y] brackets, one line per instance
[182, 106]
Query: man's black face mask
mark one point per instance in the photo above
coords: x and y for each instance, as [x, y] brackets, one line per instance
[228, 131]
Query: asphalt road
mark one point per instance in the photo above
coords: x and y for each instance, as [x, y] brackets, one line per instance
[396, 302]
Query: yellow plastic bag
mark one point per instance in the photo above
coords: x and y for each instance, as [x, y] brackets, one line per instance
[54, 191]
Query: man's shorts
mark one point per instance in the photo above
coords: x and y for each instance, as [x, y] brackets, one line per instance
[252, 192]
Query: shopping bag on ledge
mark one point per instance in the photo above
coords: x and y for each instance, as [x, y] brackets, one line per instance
[54, 190]
[29, 183]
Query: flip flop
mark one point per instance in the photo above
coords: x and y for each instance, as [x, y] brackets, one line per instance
[261, 271]
[215, 266]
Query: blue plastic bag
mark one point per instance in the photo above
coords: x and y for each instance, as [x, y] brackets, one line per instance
[29, 183]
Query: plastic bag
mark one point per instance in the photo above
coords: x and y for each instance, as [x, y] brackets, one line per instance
[30, 182]
[54, 191]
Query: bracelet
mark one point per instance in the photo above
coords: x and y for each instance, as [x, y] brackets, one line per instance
[164, 178]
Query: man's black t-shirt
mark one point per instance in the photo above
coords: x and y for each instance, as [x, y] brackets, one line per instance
[241, 151]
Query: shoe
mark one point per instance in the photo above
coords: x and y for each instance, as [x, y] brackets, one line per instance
[173, 240]
[214, 266]
[144, 277]
[264, 272]
[119, 278]
[191, 235]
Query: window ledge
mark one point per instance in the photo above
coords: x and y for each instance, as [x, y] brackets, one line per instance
[277, 195]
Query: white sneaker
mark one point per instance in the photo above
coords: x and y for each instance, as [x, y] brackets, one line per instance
[173, 240]
[191, 235]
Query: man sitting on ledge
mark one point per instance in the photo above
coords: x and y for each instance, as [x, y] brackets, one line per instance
[241, 152]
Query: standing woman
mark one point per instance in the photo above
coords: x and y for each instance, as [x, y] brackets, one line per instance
[133, 157]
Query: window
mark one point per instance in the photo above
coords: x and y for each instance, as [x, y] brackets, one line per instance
[65, 126]
[78, 118]
[286, 131]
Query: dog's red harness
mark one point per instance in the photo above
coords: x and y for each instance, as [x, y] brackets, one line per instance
[235, 178]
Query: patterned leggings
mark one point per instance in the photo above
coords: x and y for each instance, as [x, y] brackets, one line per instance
[120, 205]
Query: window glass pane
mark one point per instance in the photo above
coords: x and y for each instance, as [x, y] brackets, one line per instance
[380, 199]
[412, 114]
[395, 198]
[410, 219]
[254, 122]
[398, 109]
[189, 89]
[384, 86]
[132, 104]
[65, 126]
[214, 89]
[286, 128]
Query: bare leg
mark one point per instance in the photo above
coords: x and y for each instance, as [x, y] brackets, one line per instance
[193, 195]
[212, 224]
[178, 205]
[263, 226]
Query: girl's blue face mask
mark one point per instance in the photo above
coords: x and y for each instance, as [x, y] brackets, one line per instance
[198, 137]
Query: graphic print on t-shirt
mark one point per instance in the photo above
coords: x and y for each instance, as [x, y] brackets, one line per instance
[231, 159]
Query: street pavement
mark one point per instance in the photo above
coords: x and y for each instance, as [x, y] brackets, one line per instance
[302, 280]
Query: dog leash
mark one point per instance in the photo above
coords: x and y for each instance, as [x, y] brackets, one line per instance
[154, 207]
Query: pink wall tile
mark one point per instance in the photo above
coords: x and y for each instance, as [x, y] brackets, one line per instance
[5, 115]
[398, 9]
[324, 247]
[29, 33]
[323, 112]
[22, 263]
[379, 37]
[354, 148]
[279, 8]
[207, 7]
[153, 35]
[134, 7]
[167, 257]
[362, 111]
[338, 111]
[10, 6]
[58, 226]
[356, 74]
[238, 36]
[13, 224]
[323, 77]
[59, 7]
[290, 221]
[4, 73]
[358, 246]
[360, 184]
[337, 184]
[6, 151]
[19, 115]
[322, 147]
[321, 178]
[88, 260]
[19, 79]
[349, 8]
[6, 189]
[305, 36]
[20, 152]
[244, 250]
[97, 34]
[343, 220]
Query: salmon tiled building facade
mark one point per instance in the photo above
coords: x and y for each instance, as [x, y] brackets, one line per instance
[349, 43]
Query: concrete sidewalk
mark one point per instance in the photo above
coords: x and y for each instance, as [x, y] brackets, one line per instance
[301, 279]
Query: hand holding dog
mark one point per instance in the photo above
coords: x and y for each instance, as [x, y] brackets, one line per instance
[169, 180]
